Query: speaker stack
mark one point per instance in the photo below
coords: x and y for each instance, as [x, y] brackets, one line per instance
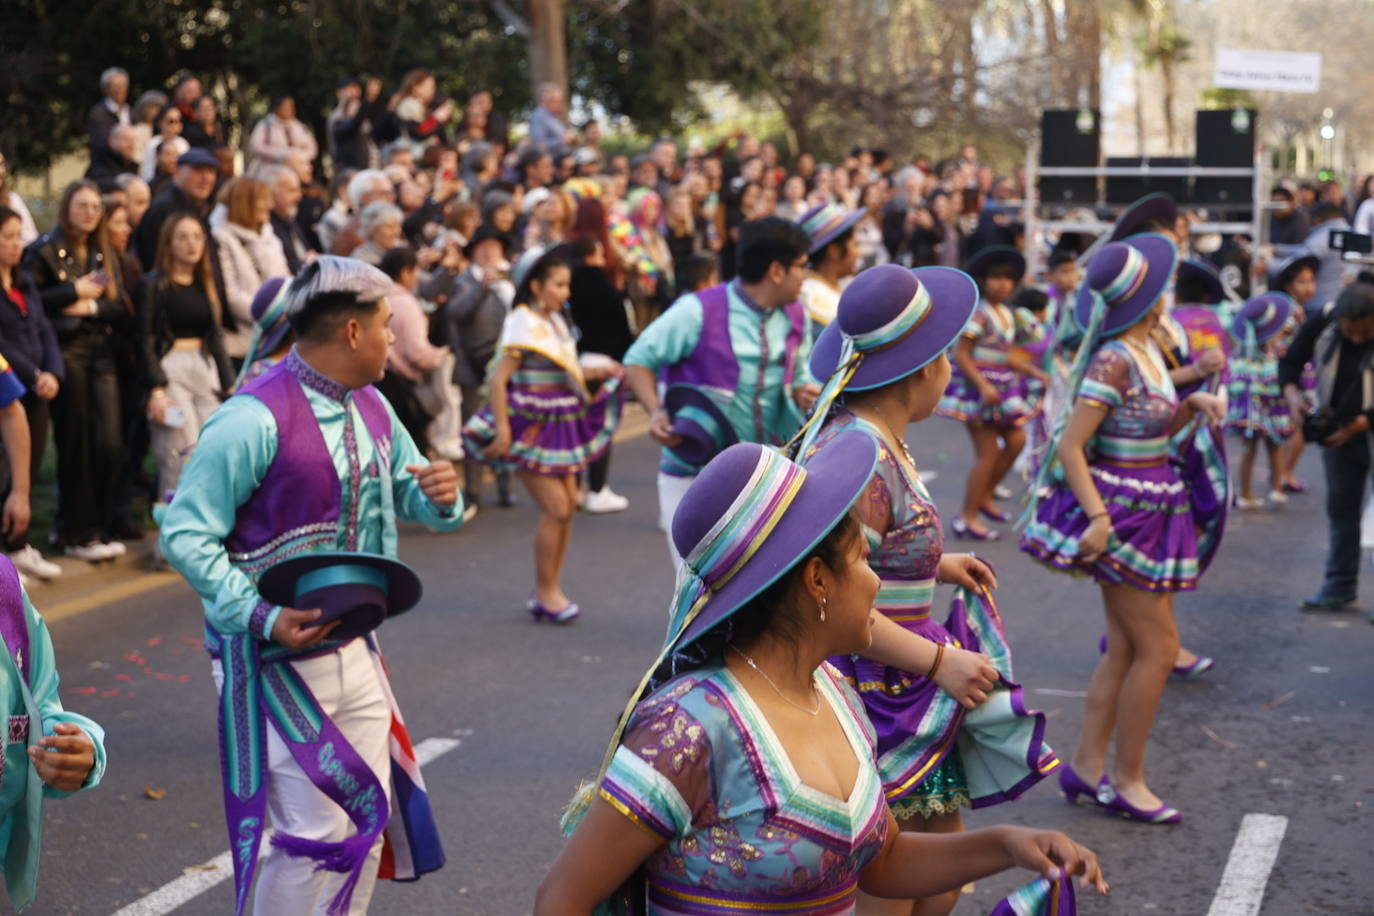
[1225, 139]
[1069, 137]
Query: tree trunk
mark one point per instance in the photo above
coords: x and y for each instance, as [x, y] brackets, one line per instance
[1166, 72]
[548, 44]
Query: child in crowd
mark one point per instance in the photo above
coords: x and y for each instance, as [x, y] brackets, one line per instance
[1256, 407]
[987, 392]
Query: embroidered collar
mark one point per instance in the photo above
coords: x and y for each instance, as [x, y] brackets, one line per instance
[738, 289]
[312, 378]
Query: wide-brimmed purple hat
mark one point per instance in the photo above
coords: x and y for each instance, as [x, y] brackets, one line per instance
[1283, 271]
[984, 259]
[1157, 207]
[700, 421]
[1264, 315]
[897, 320]
[1203, 272]
[1126, 278]
[824, 223]
[750, 516]
[269, 314]
[358, 589]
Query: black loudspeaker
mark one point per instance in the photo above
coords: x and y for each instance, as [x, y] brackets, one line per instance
[1225, 139]
[1069, 137]
[1127, 190]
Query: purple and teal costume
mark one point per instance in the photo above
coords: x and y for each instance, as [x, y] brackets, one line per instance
[556, 426]
[297, 463]
[934, 756]
[1154, 541]
[994, 338]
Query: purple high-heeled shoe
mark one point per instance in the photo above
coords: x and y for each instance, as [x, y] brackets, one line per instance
[540, 613]
[1201, 663]
[1072, 785]
[1112, 801]
[963, 532]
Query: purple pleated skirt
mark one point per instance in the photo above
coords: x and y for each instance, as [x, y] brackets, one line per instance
[1154, 540]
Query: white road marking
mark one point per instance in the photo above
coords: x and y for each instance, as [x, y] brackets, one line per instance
[1247, 870]
[200, 878]
[1056, 692]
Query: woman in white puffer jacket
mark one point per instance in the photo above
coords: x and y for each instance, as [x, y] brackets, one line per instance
[250, 254]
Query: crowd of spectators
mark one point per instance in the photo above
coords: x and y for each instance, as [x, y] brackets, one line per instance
[130, 317]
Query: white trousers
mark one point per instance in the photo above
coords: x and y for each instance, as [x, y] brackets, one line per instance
[670, 492]
[346, 686]
[192, 387]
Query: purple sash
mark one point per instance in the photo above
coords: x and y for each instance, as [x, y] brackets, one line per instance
[295, 510]
[14, 624]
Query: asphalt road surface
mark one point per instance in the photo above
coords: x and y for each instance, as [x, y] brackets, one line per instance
[519, 713]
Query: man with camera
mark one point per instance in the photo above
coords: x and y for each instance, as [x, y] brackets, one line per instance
[1339, 341]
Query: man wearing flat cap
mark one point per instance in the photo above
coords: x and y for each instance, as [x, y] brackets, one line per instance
[309, 458]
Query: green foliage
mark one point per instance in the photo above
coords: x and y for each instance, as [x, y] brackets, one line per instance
[1214, 98]
[249, 50]
[638, 57]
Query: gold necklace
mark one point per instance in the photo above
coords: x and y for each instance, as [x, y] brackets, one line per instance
[1145, 354]
[892, 436]
[786, 699]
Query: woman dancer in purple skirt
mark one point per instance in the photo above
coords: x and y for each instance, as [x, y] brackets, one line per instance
[885, 359]
[1118, 511]
[542, 421]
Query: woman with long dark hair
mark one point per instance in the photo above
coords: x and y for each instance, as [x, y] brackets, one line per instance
[187, 365]
[72, 267]
[740, 778]
[29, 344]
[542, 421]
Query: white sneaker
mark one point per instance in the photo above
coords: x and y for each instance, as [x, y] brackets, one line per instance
[1278, 497]
[469, 513]
[91, 552]
[600, 502]
[115, 548]
[30, 561]
[1248, 505]
[1001, 492]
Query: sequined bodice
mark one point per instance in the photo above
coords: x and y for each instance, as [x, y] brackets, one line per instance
[1140, 411]
[905, 539]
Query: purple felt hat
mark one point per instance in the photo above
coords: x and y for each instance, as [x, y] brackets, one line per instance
[1265, 314]
[269, 314]
[898, 320]
[1126, 278]
[824, 223]
[1285, 269]
[750, 516]
[1157, 207]
[1204, 272]
[358, 589]
[984, 259]
[699, 420]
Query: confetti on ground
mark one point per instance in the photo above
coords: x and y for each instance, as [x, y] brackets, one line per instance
[1273, 704]
[112, 692]
[1215, 737]
[154, 794]
[83, 691]
[154, 641]
[123, 677]
[135, 658]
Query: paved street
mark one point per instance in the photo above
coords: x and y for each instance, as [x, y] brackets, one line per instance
[1282, 726]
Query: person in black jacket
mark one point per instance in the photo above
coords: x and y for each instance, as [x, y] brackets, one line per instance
[112, 109]
[71, 267]
[187, 365]
[29, 344]
[114, 158]
[351, 124]
[598, 311]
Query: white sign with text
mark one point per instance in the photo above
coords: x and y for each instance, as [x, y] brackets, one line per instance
[1271, 71]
